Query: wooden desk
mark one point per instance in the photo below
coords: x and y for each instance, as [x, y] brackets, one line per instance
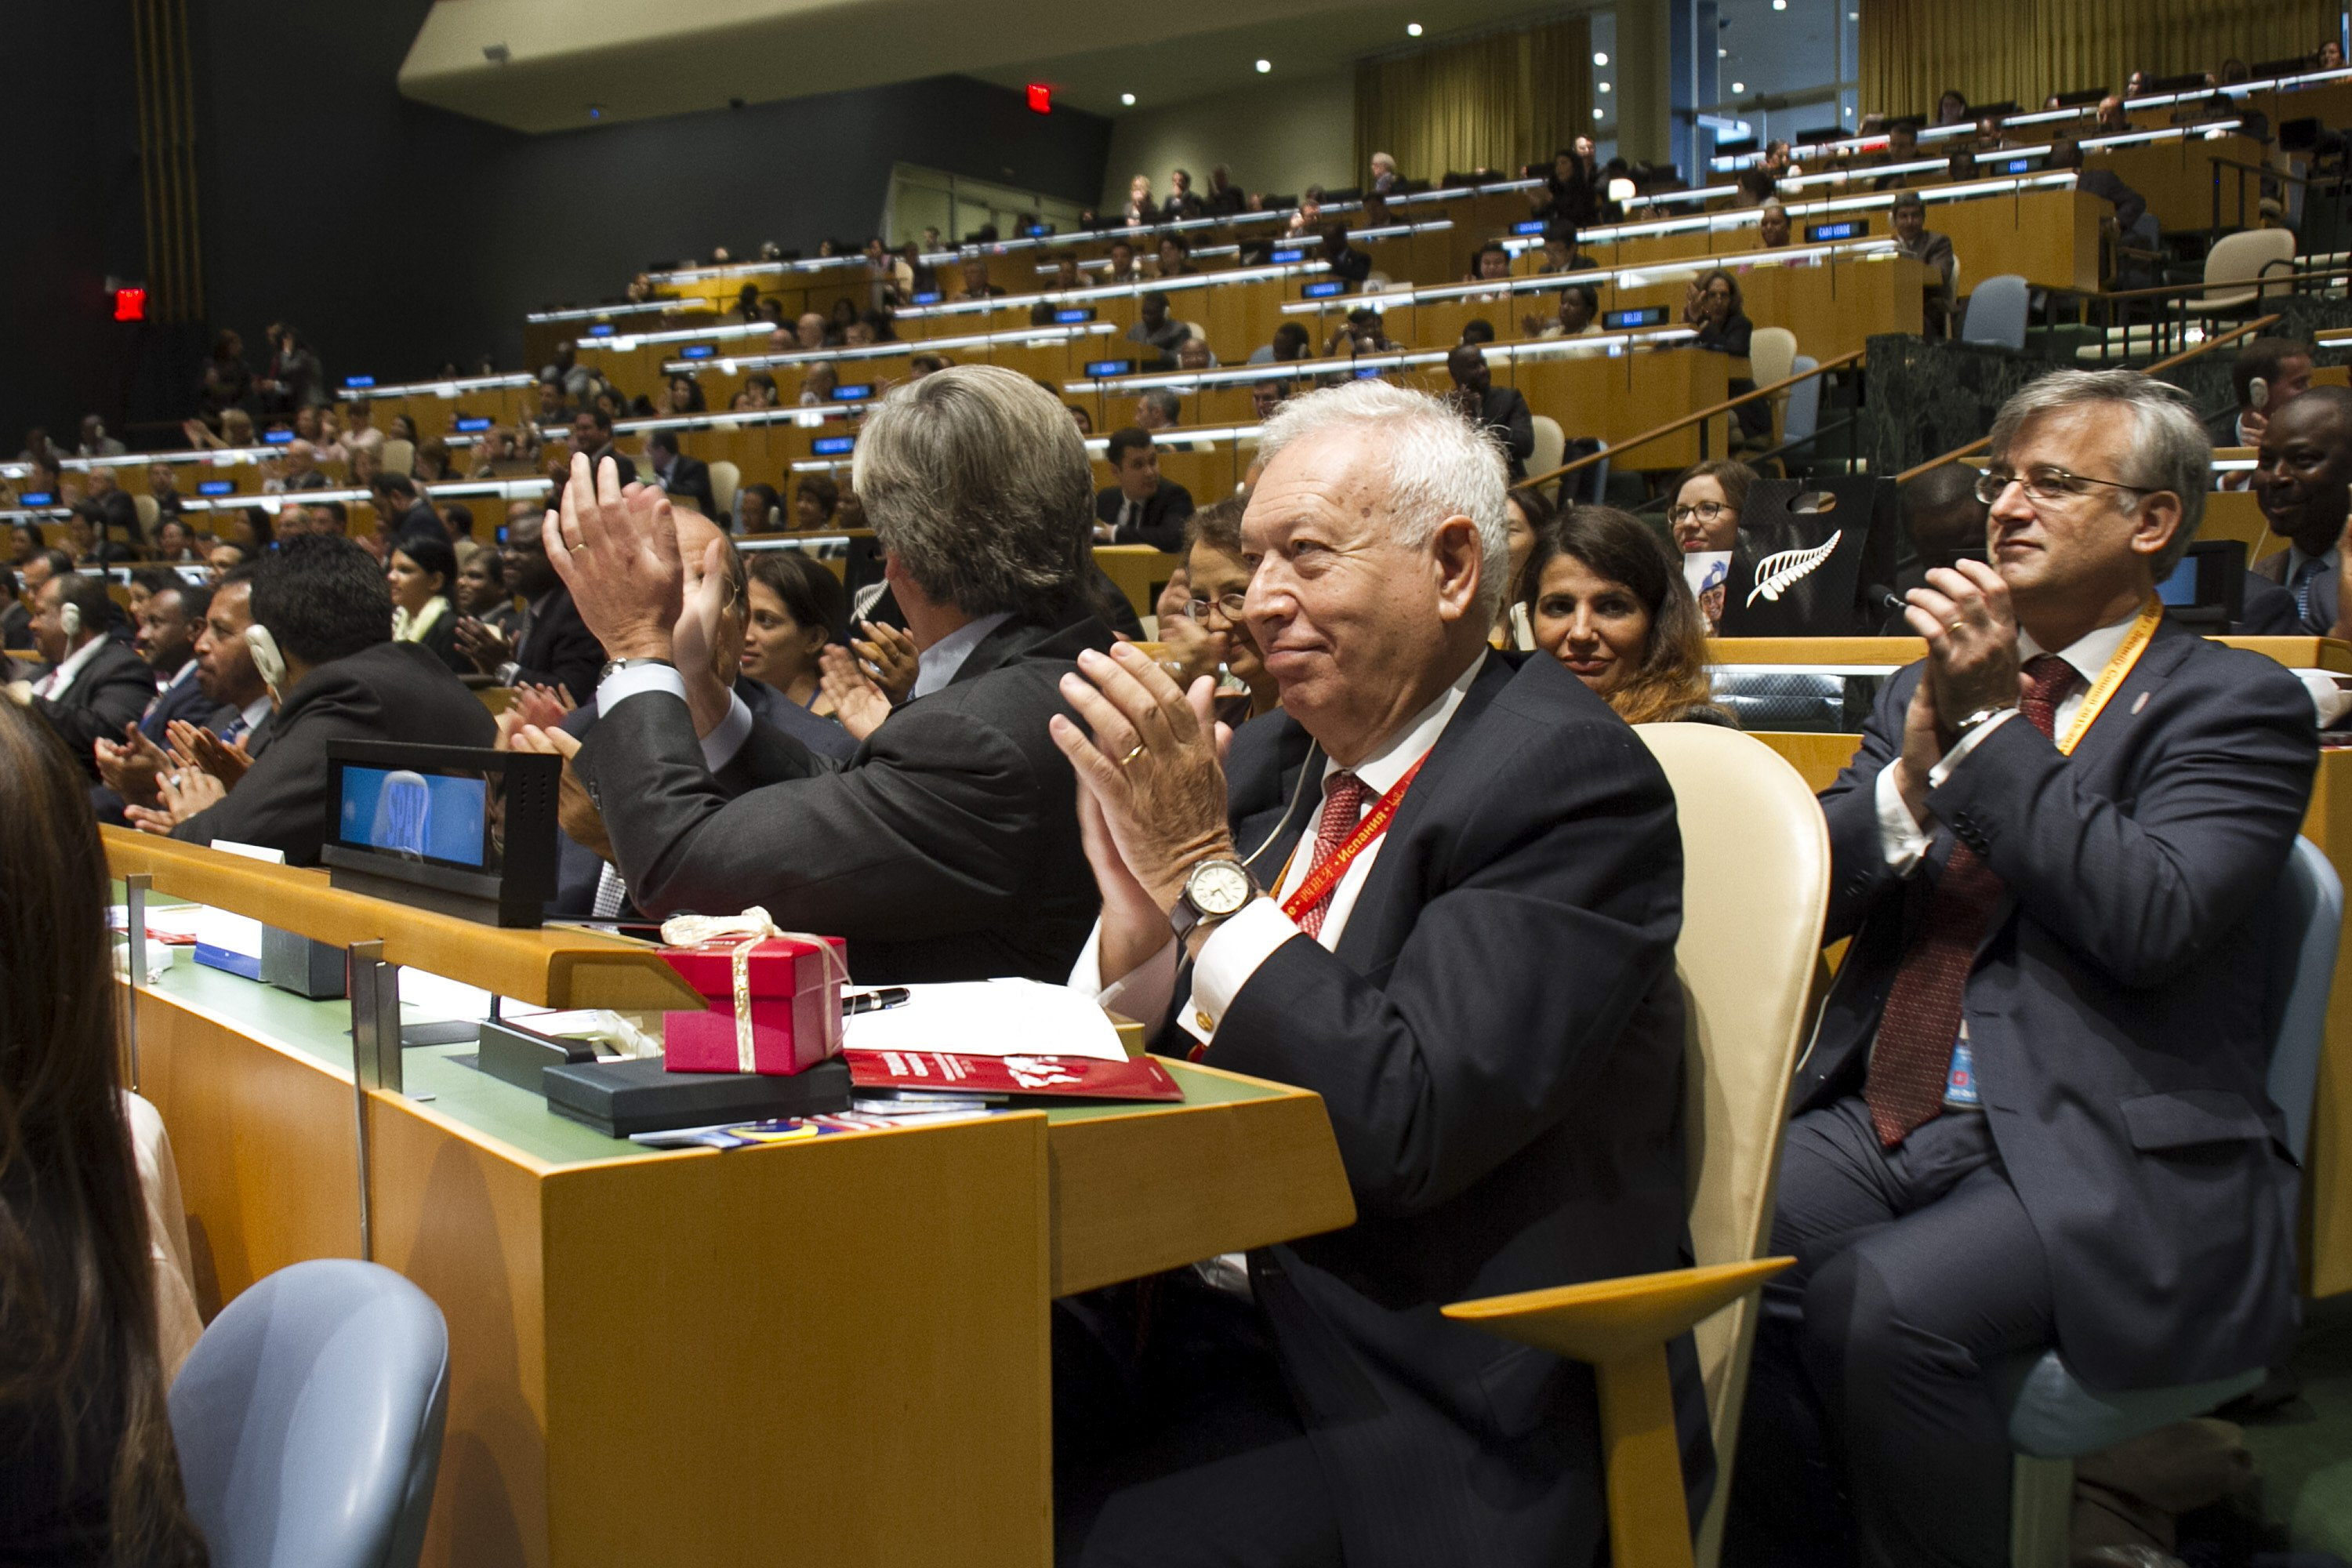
[1140, 571]
[2176, 177]
[660, 1356]
[2327, 1185]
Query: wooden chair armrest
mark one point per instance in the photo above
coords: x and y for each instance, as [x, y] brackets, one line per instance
[1604, 1320]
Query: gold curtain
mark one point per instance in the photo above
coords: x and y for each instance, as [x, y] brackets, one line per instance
[1491, 102]
[1992, 50]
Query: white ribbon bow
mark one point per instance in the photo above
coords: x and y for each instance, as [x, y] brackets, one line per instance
[754, 926]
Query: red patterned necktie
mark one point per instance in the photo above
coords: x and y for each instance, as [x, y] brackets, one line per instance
[1921, 1022]
[1343, 807]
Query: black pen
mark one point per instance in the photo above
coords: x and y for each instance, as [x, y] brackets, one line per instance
[874, 1001]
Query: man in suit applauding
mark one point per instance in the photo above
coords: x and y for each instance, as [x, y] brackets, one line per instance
[95, 685]
[1142, 507]
[945, 848]
[327, 655]
[2033, 1115]
[687, 478]
[1441, 887]
[551, 647]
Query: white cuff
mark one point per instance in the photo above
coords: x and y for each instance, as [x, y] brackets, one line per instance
[1900, 836]
[1143, 993]
[623, 684]
[1943, 770]
[719, 746]
[1231, 955]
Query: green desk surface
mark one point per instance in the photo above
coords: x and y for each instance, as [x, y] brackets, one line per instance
[499, 1110]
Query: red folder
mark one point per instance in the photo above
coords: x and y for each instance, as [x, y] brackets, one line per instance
[1073, 1077]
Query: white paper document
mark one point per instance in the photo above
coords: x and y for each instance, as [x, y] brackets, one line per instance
[989, 1018]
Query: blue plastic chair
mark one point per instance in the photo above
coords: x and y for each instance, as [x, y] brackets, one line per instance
[2054, 1419]
[308, 1420]
[1802, 415]
[1997, 312]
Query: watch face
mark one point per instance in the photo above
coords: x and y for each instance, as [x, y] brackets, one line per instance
[1218, 887]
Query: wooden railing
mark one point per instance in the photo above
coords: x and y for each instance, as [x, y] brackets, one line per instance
[1714, 412]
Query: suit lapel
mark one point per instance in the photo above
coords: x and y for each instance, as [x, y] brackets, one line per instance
[2118, 720]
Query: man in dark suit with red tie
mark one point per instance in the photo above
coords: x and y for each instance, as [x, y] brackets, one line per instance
[2034, 1114]
[1441, 887]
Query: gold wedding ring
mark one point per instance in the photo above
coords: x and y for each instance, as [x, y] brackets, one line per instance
[1132, 755]
[1956, 625]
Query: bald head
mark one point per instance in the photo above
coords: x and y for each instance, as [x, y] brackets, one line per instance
[696, 535]
[1942, 515]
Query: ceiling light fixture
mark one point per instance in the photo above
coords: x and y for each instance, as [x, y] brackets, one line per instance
[1596, 114]
[1739, 86]
[1128, 98]
[1263, 67]
[1605, 87]
[1598, 58]
[1412, 29]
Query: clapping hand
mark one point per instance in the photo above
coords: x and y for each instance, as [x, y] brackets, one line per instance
[484, 644]
[198, 748]
[542, 706]
[889, 656]
[857, 701]
[615, 548]
[131, 768]
[182, 794]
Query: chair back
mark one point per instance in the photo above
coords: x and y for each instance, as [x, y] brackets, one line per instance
[1756, 878]
[1597, 486]
[399, 456]
[148, 512]
[309, 1419]
[1771, 352]
[1802, 414]
[1551, 444]
[726, 479]
[2243, 259]
[2310, 913]
[1997, 312]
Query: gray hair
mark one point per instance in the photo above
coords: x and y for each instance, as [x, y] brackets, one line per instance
[977, 479]
[2170, 450]
[1164, 399]
[1437, 464]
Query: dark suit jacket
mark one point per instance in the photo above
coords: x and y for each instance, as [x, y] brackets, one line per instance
[626, 466]
[1504, 411]
[560, 651]
[392, 692]
[1165, 510]
[945, 848]
[419, 518]
[2268, 610]
[1350, 266]
[440, 640]
[2272, 570]
[1498, 1040]
[2114, 1012]
[774, 717]
[15, 626]
[108, 692]
[186, 701]
[115, 517]
[689, 478]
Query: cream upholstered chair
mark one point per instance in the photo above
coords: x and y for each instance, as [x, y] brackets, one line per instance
[1772, 356]
[1756, 877]
[177, 1322]
[399, 456]
[1551, 444]
[726, 479]
[149, 513]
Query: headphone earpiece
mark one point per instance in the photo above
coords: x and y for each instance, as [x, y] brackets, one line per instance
[267, 659]
[70, 618]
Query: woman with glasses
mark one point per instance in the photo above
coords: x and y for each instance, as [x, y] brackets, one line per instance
[1210, 638]
[1704, 518]
[1605, 599]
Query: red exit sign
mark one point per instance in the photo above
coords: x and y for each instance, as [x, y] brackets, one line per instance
[1041, 98]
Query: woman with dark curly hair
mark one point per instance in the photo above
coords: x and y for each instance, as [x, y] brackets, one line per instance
[1607, 600]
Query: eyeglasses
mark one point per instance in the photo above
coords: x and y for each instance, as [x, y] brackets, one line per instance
[1706, 511]
[2045, 484]
[1229, 605]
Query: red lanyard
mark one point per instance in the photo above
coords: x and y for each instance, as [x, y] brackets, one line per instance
[1325, 874]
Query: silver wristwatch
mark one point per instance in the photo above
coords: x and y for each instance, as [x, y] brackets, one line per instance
[1214, 890]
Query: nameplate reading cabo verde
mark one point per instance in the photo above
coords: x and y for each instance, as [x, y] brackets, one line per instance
[1074, 1078]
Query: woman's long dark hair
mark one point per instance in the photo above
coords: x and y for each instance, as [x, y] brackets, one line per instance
[77, 1286]
[1672, 677]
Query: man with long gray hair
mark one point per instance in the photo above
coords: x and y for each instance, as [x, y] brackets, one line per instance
[1441, 887]
[2034, 1115]
[946, 847]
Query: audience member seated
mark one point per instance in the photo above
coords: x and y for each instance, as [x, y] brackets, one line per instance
[2303, 484]
[1579, 315]
[1204, 632]
[402, 509]
[1500, 411]
[1363, 332]
[1140, 208]
[1122, 264]
[1491, 265]
[1344, 261]
[945, 848]
[1223, 198]
[481, 592]
[2277, 368]
[798, 609]
[1943, 522]
[1142, 508]
[1915, 239]
[113, 516]
[1714, 305]
[1157, 409]
[334, 673]
[87, 1462]
[1525, 513]
[1175, 256]
[1265, 396]
[176, 540]
[1751, 187]
[1704, 517]
[297, 469]
[1608, 600]
[96, 442]
[1157, 330]
[818, 384]
[1194, 353]
[2104, 183]
[1478, 331]
[1571, 192]
[816, 502]
[756, 507]
[169, 624]
[420, 573]
[1952, 109]
[592, 438]
[1559, 252]
[236, 712]
[2033, 1113]
[680, 476]
[976, 285]
[1772, 228]
[1495, 1032]
[1290, 343]
[1384, 175]
[548, 645]
[96, 686]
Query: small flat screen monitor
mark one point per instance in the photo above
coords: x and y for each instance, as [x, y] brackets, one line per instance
[1646, 316]
[1320, 290]
[1844, 228]
[463, 830]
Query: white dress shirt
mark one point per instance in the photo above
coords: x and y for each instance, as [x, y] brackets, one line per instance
[1238, 945]
[66, 673]
[719, 747]
[936, 665]
[1900, 834]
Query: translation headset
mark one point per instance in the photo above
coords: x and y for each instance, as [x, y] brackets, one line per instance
[1298, 793]
[267, 660]
[70, 618]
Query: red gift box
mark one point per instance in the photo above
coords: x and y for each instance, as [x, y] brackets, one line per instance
[791, 1003]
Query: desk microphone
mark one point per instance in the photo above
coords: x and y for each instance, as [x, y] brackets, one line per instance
[1879, 596]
